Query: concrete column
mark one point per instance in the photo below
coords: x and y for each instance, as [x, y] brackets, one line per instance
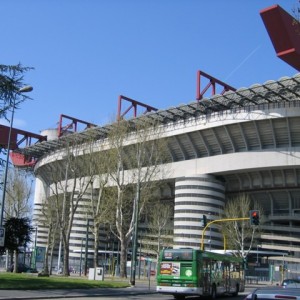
[196, 196]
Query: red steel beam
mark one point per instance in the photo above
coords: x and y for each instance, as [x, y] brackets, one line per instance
[284, 32]
[19, 137]
[22, 161]
[71, 126]
[213, 82]
[134, 105]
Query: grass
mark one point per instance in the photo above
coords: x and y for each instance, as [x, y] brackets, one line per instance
[9, 281]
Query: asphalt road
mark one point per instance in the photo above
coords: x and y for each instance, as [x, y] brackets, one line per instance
[132, 295]
[140, 291]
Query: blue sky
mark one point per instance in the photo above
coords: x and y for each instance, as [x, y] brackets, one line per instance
[88, 52]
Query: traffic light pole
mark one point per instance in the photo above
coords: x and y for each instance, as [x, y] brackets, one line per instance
[219, 221]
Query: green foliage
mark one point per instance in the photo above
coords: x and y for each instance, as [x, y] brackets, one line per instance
[11, 80]
[17, 233]
[13, 281]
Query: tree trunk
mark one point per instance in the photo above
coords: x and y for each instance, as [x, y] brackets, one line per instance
[51, 256]
[16, 261]
[66, 270]
[96, 245]
[46, 262]
[123, 258]
[47, 252]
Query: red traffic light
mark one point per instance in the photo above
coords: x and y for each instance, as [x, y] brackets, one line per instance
[254, 217]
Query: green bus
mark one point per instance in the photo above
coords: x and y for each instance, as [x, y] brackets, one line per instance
[191, 272]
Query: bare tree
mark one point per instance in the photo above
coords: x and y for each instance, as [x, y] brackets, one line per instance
[160, 232]
[19, 190]
[240, 235]
[116, 179]
[70, 179]
[48, 219]
[135, 157]
[98, 207]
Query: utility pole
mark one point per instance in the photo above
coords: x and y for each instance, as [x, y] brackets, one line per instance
[86, 247]
[135, 236]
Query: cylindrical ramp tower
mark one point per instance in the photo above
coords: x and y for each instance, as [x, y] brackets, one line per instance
[196, 196]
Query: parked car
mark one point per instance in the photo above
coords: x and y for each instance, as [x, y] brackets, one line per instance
[22, 268]
[278, 293]
[290, 283]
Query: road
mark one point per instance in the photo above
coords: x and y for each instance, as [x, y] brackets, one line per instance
[133, 293]
[129, 296]
[149, 297]
[142, 290]
[155, 296]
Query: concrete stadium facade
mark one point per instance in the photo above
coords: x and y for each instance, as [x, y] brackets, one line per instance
[242, 142]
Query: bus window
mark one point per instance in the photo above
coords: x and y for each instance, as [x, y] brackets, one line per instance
[237, 267]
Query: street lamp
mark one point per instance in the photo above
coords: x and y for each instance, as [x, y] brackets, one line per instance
[63, 214]
[86, 247]
[24, 89]
[135, 235]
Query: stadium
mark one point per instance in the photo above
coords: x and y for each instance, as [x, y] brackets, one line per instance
[241, 141]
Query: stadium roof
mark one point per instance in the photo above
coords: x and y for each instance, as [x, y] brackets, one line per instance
[286, 89]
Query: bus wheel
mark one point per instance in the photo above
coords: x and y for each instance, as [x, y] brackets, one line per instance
[213, 293]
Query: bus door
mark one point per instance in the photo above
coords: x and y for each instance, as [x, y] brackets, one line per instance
[226, 275]
[216, 272]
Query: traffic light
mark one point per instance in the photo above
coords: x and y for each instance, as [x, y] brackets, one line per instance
[204, 221]
[254, 217]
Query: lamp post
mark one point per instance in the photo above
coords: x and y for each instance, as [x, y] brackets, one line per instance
[86, 247]
[35, 254]
[24, 89]
[62, 217]
[209, 234]
[135, 235]
[80, 265]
